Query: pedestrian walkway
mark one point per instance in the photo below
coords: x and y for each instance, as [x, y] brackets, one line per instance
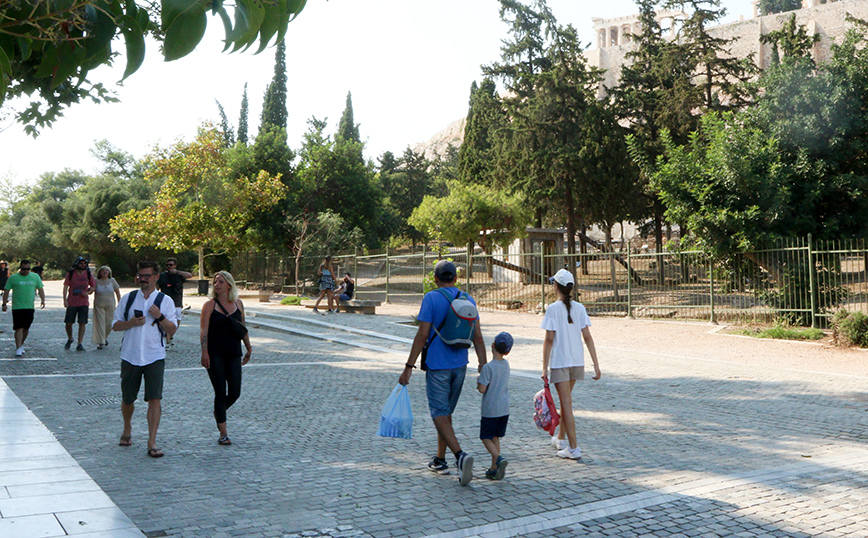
[43, 491]
[689, 433]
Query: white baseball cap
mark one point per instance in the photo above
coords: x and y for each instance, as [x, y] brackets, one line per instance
[564, 278]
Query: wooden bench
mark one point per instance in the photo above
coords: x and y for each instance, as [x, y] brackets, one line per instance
[351, 307]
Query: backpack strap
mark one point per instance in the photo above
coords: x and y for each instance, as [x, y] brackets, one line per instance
[130, 298]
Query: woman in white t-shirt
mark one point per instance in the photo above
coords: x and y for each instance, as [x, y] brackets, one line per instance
[566, 324]
[105, 299]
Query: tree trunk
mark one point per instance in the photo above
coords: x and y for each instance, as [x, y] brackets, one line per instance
[571, 229]
[658, 239]
[583, 246]
[201, 252]
[612, 262]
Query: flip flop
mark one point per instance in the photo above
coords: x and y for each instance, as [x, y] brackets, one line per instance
[224, 440]
[155, 453]
[126, 440]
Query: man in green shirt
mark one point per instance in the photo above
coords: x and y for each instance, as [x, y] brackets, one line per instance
[24, 286]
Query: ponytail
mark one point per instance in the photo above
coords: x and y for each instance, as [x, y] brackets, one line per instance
[567, 292]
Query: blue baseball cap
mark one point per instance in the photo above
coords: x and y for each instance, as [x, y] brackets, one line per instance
[503, 342]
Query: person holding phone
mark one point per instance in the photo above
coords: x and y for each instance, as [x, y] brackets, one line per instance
[143, 351]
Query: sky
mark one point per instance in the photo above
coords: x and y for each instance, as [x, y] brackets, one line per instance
[408, 63]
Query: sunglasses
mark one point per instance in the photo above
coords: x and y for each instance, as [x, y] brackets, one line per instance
[142, 275]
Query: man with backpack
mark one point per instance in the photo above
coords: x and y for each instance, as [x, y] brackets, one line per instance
[448, 326]
[145, 316]
[77, 287]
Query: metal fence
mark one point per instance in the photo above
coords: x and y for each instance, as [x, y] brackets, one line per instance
[798, 281]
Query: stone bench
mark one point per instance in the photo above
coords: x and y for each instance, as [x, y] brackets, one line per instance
[351, 307]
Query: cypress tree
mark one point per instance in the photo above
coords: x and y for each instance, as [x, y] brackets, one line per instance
[228, 135]
[477, 154]
[348, 130]
[242, 120]
[274, 104]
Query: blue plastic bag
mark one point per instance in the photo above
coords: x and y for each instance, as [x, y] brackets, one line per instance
[396, 420]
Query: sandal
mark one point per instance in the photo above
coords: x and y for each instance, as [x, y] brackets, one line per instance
[155, 453]
[126, 440]
[224, 440]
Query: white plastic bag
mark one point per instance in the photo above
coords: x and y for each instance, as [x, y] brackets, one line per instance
[396, 420]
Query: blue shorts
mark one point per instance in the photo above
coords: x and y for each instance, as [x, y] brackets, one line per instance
[443, 388]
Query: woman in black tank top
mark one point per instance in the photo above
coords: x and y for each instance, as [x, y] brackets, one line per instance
[221, 350]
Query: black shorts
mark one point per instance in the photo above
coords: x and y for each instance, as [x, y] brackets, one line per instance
[491, 427]
[22, 318]
[131, 380]
[76, 311]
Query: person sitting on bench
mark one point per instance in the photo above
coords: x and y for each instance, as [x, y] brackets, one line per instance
[347, 288]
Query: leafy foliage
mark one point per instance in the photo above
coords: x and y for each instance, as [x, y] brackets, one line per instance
[48, 47]
[472, 213]
[274, 104]
[200, 205]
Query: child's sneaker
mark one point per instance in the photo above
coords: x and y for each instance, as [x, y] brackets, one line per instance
[560, 444]
[437, 464]
[491, 475]
[501, 468]
[465, 468]
[573, 454]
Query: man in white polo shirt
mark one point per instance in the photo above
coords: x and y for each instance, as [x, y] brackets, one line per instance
[144, 319]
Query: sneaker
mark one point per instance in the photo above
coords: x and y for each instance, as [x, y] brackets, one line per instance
[68, 344]
[491, 474]
[573, 454]
[465, 468]
[501, 468]
[315, 311]
[79, 347]
[560, 444]
[19, 352]
[437, 464]
[335, 311]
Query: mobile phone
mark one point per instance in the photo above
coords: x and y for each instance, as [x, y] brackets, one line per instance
[138, 313]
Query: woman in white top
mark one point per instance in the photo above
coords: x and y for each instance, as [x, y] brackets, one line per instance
[105, 299]
[566, 323]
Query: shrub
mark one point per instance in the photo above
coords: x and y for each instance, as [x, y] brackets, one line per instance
[850, 328]
[291, 300]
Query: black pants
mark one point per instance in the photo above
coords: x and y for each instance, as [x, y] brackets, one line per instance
[225, 374]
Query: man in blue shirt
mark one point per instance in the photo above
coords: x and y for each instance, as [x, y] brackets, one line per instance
[445, 370]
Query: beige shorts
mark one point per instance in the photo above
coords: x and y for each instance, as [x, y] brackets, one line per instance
[559, 375]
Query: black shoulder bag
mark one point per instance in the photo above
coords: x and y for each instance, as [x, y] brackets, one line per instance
[238, 328]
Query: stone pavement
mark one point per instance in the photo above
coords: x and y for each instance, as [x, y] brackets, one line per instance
[689, 433]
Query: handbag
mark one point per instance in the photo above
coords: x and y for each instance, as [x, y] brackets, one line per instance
[545, 413]
[396, 420]
[238, 328]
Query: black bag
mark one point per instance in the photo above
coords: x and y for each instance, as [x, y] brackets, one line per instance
[238, 328]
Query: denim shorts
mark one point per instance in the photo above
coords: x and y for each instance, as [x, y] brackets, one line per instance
[443, 388]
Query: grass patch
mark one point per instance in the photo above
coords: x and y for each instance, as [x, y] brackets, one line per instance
[785, 333]
[291, 300]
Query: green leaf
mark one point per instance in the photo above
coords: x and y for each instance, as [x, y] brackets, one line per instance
[48, 63]
[68, 60]
[227, 26]
[256, 14]
[269, 26]
[135, 42]
[216, 5]
[185, 33]
[24, 47]
[172, 9]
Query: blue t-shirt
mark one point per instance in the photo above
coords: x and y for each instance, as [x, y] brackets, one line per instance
[433, 310]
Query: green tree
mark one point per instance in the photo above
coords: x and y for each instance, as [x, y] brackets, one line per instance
[770, 7]
[348, 129]
[473, 214]
[404, 183]
[225, 127]
[274, 104]
[477, 155]
[243, 118]
[47, 49]
[792, 40]
[200, 205]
